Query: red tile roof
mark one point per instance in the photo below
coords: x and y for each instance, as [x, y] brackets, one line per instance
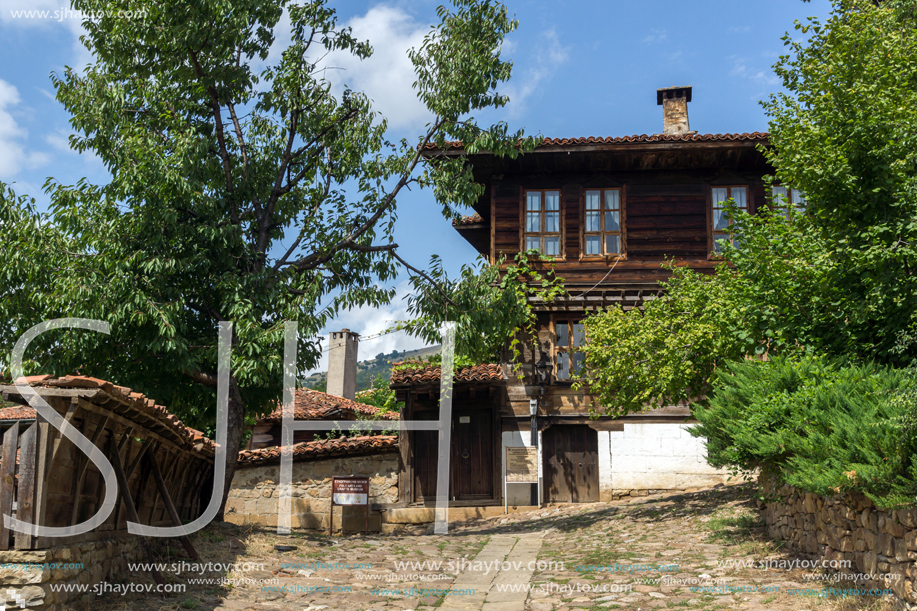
[17, 413]
[324, 448]
[474, 219]
[593, 140]
[489, 372]
[315, 405]
[127, 403]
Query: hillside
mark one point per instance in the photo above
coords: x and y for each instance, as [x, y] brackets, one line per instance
[369, 370]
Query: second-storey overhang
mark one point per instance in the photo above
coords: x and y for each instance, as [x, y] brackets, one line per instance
[716, 153]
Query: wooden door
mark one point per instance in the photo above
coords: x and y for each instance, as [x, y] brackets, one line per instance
[571, 464]
[424, 445]
[472, 455]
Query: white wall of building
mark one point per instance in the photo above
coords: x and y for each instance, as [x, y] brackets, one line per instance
[654, 456]
[518, 494]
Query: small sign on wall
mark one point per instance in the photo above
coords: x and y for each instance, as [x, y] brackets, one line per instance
[522, 465]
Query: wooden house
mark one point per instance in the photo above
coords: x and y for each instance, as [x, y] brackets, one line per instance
[608, 211]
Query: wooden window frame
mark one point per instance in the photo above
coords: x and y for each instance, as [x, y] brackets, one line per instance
[569, 348]
[790, 202]
[621, 233]
[560, 234]
[711, 232]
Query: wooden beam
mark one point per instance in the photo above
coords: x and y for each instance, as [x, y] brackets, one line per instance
[173, 513]
[131, 508]
[7, 481]
[82, 468]
[71, 414]
[25, 497]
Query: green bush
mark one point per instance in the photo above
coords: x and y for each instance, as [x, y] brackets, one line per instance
[819, 424]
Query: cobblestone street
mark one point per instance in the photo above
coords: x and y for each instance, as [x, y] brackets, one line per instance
[696, 550]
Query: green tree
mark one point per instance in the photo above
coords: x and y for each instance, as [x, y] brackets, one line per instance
[844, 133]
[235, 195]
[490, 305]
[838, 280]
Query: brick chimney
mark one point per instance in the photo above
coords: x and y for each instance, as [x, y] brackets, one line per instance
[342, 363]
[674, 102]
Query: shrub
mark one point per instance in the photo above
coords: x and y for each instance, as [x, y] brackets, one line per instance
[819, 424]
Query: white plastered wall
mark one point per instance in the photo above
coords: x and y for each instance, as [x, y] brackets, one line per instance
[517, 494]
[654, 456]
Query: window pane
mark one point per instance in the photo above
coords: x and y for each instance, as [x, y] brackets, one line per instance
[532, 243]
[799, 199]
[720, 219]
[532, 222]
[778, 196]
[552, 222]
[593, 199]
[611, 221]
[612, 245]
[579, 334]
[563, 338]
[533, 201]
[552, 246]
[579, 359]
[718, 241]
[563, 366]
[552, 200]
[739, 195]
[592, 221]
[593, 245]
[719, 196]
[612, 200]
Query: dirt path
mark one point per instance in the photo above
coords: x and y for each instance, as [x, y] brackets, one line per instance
[701, 550]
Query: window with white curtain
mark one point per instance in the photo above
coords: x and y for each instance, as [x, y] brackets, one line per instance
[721, 223]
[785, 199]
[602, 223]
[542, 222]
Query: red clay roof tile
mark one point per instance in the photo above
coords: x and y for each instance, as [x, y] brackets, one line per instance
[592, 140]
[316, 405]
[467, 221]
[17, 413]
[128, 400]
[324, 448]
[422, 374]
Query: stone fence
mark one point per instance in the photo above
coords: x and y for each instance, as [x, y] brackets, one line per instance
[254, 495]
[878, 544]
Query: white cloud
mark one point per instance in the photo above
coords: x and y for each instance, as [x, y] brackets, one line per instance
[549, 58]
[741, 68]
[13, 157]
[655, 36]
[387, 76]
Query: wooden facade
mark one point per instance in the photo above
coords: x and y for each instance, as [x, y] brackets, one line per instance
[661, 207]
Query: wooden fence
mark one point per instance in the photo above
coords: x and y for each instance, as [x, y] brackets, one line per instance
[164, 469]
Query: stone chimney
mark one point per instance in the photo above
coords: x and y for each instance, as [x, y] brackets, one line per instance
[674, 102]
[342, 363]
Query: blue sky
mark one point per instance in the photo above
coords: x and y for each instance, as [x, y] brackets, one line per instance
[580, 69]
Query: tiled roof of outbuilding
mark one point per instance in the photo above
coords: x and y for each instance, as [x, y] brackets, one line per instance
[311, 404]
[422, 374]
[17, 413]
[126, 402]
[324, 448]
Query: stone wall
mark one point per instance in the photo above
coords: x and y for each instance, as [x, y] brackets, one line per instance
[28, 576]
[849, 527]
[254, 496]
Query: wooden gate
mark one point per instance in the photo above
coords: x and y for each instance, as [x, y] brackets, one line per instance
[472, 455]
[471, 460]
[571, 464]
